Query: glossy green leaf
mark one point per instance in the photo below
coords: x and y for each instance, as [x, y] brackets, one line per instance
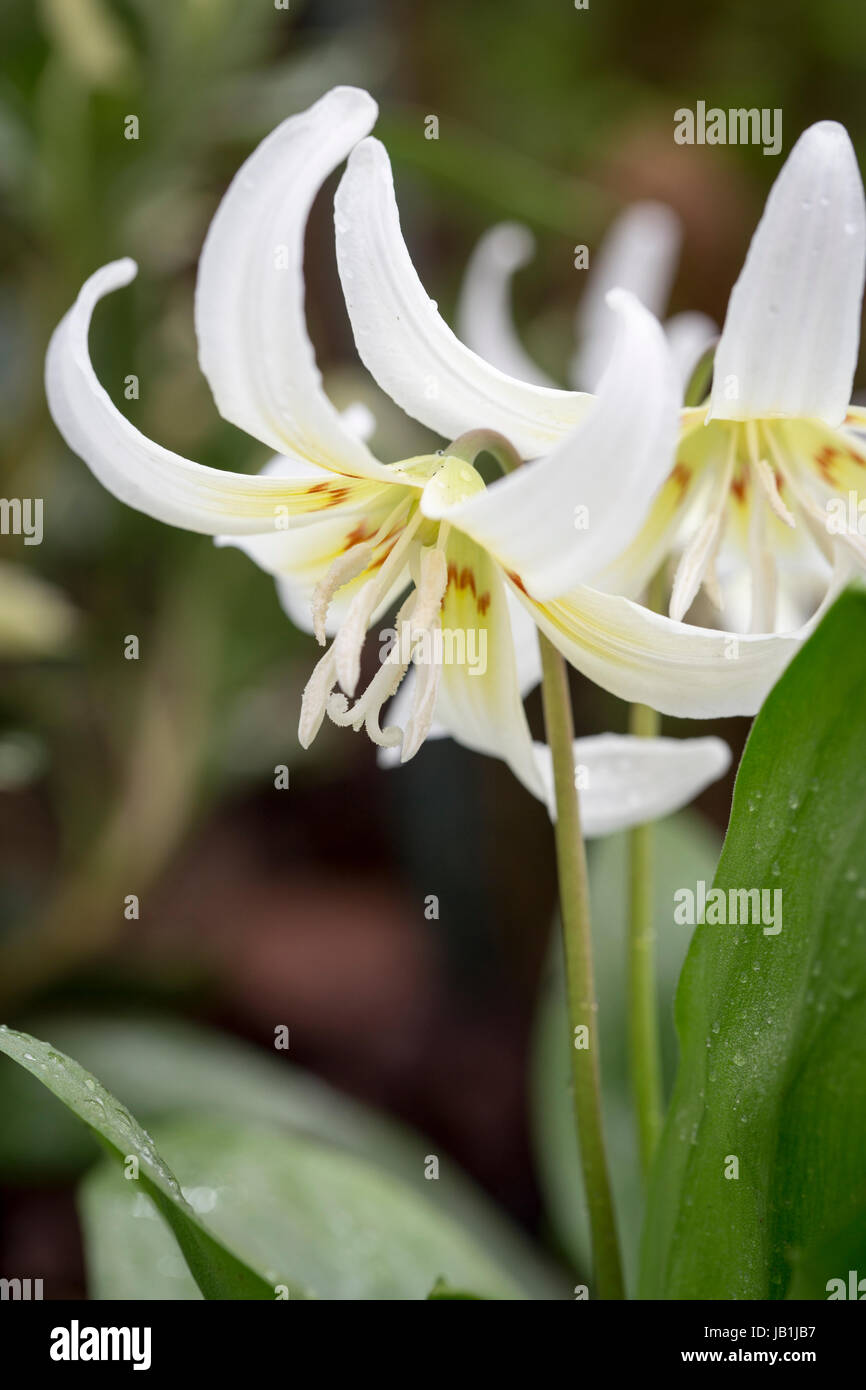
[162, 1067]
[213, 1267]
[762, 1153]
[350, 1230]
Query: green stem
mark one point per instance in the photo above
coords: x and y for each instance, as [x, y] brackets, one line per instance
[475, 442]
[579, 976]
[644, 1041]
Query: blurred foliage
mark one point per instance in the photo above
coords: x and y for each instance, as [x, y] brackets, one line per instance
[316, 1180]
[547, 114]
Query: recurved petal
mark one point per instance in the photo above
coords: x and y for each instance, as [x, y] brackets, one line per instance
[485, 316]
[639, 254]
[249, 305]
[626, 781]
[789, 344]
[404, 342]
[560, 520]
[691, 672]
[154, 480]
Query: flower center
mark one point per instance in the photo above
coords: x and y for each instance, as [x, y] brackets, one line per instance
[762, 480]
[415, 551]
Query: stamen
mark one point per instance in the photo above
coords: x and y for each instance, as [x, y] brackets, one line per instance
[814, 515]
[346, 567]
[315, 697]
[763, 567]
[390, 522]
[420, 720]
[767, 479]
[367, 708]
[691, 568]
[383, 685]
[432, 583]
[350, 638]
[699, 555]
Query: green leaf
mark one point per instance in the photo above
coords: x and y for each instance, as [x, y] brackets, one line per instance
[772, 1026]
[442, 1292]
[217, 1271]
[161, 1067]
[351, 1230]
[843, 1253]
[684, 845]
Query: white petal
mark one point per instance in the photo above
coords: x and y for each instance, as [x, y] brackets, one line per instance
[560, 520]
[404, 342]
[249, 304]
[485, 318]
[527, 653]
[484, 711]
[789, 344]
[626, 781]
[479, 702]
[689, 334]
[143, 474]
[639, 254]
[692, 672]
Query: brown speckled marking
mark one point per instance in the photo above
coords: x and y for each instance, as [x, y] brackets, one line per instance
[740, 486]
[825, 458]
[362, 532]
[681, 475]
[338, 495]
[465, 579]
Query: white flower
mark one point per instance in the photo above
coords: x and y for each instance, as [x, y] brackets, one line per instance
[639, 254]
[764, 501]
[346, 535]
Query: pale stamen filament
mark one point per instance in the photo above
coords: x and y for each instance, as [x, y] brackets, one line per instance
[314, 701]
[350, 638]
[432, 583]
[813, 513]
[420, 721]
[763, 568]
[391, 521]
[367, 708]
[349, 565]
[761, 559]
[345, 568]
[699, 555]
[767, 478]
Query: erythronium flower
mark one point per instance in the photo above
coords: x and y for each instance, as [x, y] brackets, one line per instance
[639, 253]
[764, 497]
[362, 533]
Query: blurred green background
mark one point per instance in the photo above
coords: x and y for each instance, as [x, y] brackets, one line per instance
[306, 907]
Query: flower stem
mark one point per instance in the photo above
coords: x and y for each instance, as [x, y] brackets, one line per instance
[474, 442]
[579, 976]
[644, 1044]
